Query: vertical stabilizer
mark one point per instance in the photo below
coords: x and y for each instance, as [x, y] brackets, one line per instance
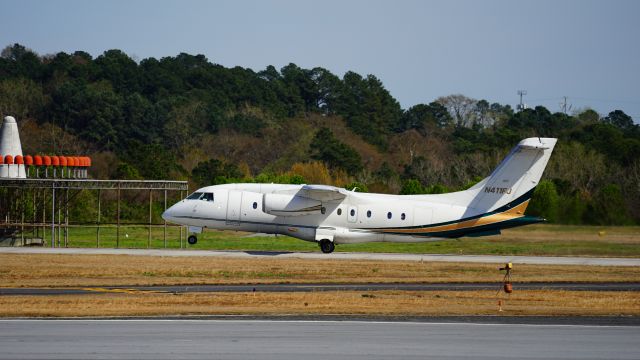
[10, 145]
[516, 177]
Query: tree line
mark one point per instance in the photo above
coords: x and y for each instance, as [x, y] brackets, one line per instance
[185, 117]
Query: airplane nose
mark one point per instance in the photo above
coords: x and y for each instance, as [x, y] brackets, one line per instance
[167, 215]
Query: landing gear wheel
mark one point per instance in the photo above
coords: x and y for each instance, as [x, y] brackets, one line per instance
[192, 240]
[327, 246]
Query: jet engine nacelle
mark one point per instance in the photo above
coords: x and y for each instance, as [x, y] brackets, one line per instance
[290, 205]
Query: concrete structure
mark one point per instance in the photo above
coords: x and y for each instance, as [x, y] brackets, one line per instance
[10, 145]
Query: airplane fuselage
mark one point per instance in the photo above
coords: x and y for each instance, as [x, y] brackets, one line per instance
[330, 215]
[359, 217]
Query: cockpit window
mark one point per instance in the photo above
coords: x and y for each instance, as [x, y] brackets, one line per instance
[201, 196]
[194, 196]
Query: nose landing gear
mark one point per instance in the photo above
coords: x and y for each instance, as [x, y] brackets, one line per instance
[192, 239]
[327, 246]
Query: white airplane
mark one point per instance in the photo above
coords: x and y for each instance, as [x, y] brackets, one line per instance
[330, 215]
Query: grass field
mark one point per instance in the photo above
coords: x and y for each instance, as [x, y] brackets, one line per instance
[43, 270]
[437, 303]
[50, 270]
[552, 240]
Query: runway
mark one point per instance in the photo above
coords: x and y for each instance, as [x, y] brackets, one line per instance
[284, 340]
[492, 259]
[181, 289]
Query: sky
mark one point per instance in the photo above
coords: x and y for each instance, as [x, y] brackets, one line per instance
[588, 51]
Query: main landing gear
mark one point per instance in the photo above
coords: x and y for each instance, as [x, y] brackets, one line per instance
[192, 240]
[327, 246]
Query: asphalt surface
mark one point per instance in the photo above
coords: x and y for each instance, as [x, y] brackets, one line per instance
[493, 259]
[285, 340]
[180, 289]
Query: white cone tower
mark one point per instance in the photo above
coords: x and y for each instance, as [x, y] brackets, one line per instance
[10, 145]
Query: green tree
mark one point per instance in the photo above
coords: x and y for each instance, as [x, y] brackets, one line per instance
[545, 201]
[424, 117]
[619, 119]
[609, 207]
[125, 171]
[153, 161]
[336, 154]
[436, 189]
[412, 187]
[369, 109]
[21, 62]
[588, 116]
[214, 171]
[385, 173]
[119, 69]
[573, 209]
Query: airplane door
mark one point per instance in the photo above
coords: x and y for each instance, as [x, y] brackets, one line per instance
[352, 215]
[234, 202]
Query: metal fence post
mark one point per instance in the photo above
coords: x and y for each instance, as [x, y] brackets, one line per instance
[22, 203]
[118, 221]
[53, 216]
[150, 219]
[66, 219]
[165, 221]
[98, 224]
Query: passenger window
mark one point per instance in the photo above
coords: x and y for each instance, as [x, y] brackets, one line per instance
[323, 210]
[255, 205]
[194, 196]
[339, 212]
[389, 215]
[368, 213]
[353, 212]
[403, 216]
[207, 197]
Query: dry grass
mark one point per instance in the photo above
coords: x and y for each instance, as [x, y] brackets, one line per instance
[43, 270]
[551, 303]
[548, 232]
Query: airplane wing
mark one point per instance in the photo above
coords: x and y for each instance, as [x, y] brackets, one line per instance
[322, 192]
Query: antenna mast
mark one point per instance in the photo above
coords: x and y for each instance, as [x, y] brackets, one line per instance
[521, 106]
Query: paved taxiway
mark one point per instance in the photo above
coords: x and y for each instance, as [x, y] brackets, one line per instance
[180, 289]
[493, 259]
[283, 340]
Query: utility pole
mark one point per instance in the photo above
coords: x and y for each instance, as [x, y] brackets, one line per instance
[521, 93]
[564, 107]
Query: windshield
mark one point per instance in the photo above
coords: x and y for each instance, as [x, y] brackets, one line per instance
[201, 196]
[194, 196]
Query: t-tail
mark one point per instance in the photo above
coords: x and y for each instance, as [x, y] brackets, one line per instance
[511, 185]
